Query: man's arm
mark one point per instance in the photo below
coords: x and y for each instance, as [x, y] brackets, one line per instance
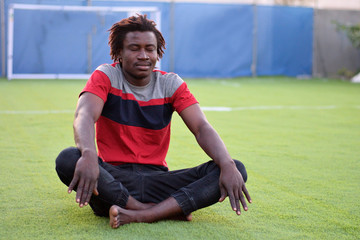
[231, 181]
[86, 173]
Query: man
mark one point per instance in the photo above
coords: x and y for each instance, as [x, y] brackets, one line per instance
[131, 104]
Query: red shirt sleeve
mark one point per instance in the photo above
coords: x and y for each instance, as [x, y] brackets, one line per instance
[98, 84]
[183, 98]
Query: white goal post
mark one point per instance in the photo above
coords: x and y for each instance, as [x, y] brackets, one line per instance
[130, 11]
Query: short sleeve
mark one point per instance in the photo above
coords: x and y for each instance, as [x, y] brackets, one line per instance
[98, 84]
[182, 98]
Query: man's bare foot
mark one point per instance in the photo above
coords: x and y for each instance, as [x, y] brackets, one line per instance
[114, 215]
[119, 216]
[167, 209]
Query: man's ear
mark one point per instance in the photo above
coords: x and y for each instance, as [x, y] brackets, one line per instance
[120, 56]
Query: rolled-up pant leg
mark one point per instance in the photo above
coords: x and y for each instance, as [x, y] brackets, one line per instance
[205, 191]
[193, 188]
[110, 190]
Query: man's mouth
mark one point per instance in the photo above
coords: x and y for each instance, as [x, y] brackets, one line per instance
[143, 66]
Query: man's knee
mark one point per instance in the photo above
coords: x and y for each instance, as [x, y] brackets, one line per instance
[241, 167]
[66, 162]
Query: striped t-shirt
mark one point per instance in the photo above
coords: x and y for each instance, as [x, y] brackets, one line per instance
[134, 126]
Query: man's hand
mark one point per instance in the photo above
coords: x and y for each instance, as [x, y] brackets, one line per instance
[85, 179]
[230, 181]
[86, 173]
[232, 184]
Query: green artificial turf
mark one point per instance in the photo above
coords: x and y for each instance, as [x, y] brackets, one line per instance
[299, 139]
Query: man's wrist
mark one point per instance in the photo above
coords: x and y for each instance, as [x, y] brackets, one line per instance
[88, 153]
[228, 164]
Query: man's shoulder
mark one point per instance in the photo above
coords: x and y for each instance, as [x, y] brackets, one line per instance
[168, 78]
[112, 71]
[108, 68]
[168, 81]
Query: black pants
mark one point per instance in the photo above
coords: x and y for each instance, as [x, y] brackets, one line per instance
[193, 188]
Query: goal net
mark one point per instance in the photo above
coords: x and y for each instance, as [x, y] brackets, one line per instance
[63, 42]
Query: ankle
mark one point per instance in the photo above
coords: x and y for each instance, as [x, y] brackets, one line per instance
[133, 204]
[145, 216]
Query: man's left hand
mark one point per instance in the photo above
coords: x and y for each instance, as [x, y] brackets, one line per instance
[232, 184]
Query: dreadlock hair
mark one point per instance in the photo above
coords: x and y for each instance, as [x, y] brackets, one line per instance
[139, 23]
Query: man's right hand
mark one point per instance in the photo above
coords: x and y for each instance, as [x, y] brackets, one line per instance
[85, 178]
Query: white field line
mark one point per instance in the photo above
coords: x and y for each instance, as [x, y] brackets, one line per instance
[35, 112]
[209, 109]
[229, 109]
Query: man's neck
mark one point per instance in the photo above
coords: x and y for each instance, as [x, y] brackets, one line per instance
[138, 82]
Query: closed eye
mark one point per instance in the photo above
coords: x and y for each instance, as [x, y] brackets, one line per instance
[151, 48]
[133, 47]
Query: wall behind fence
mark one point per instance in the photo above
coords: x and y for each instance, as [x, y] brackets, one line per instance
[203, 40]
[333, 51]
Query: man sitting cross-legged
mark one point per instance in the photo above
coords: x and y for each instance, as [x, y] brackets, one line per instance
[131, 104]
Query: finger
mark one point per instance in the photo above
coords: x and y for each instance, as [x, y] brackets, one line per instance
[237, 204]
[95, 191]
[247, 194]
[73, 183]
[79, 192]
[232, 201]
[223, 194]
[89, 193]
[85, 194]
[242, 200]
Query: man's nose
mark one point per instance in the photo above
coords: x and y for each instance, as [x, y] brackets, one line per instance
[143, 55]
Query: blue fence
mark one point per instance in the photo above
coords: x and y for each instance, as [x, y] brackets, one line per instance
[285, 36]
[203, 40]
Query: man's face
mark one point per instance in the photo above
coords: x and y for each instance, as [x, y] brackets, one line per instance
[138, 57]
